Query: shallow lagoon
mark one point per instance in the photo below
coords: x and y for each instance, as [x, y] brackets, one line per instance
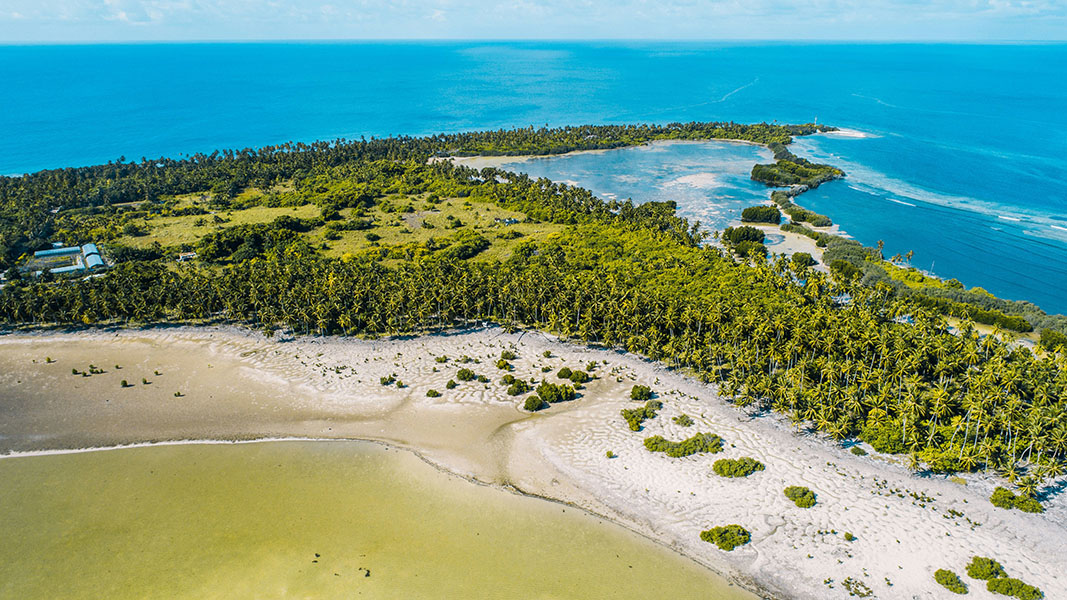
[307, 519]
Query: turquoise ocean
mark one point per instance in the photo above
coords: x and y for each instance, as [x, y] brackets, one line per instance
[962, 159]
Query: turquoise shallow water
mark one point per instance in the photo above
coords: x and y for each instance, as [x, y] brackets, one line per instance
[966, 164]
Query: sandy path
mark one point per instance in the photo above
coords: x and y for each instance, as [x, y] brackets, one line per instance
[237, 385]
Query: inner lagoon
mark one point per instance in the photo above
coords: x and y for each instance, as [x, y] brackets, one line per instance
[304, 519]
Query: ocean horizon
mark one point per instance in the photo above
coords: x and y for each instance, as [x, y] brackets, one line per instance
[960, 160]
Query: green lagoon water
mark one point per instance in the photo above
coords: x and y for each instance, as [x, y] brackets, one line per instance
[306, 520]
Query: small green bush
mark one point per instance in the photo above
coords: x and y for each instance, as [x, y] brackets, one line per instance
[636, 416]
[1009, 586]
[701, 442]
[683, 420]
[849, 537]
[950, 581]
[610, 454]
[390, 380]
[507, 355]
[507, 379]
[564, 373]
[800, 495]
[579, 377]
[125, 384]
[547, 354]
[553, 393]
[534, 404]
[858, 451]
[981, 567]
[482, 379]
[433, 394]
[726, 537]
[641, 393]
[450, 385]
[518, 387]
[1005, 498]
[441, 359]
[741, 467]
[503, 365]
[465, 375]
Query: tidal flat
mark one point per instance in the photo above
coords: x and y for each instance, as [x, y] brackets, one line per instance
[303, 519]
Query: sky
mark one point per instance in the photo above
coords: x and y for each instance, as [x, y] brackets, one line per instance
[874, 20]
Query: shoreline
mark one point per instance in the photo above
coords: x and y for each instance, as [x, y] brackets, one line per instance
[475, 432]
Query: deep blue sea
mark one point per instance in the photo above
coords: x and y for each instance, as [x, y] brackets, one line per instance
[965, 159]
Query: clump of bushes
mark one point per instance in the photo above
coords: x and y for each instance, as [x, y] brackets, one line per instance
[858, 451]
[564, 373]
[433, 394]
[441, 359]
[761, 214]
[534, 403]
[701, 442]
[553, 393]
[1004, 498]
[503, 365]
[741, 467]
[507, 355]
[800, 495]
[636, 416]
[640, 393]
[683, 420]
[390, 380]
[465, 375]
[950, 581]
[518, 387]
[981, 567]
[726, 537]
[579, 377]
[450, 385]
[1009, 586]
[803, 260]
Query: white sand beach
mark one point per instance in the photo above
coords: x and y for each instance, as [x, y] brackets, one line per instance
[237, 385]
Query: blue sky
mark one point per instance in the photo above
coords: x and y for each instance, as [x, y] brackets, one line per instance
[137, 20]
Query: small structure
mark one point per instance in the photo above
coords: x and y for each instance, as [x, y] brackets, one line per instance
[185, 256]
[66, 259]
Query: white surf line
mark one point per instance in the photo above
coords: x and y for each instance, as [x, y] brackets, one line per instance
[749, 84]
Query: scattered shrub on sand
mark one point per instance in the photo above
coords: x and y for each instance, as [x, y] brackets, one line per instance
[553, 393]
[547, 354]
[611, 454]
[482, 379]
[1028, 504]
[701, 442]
[144, 381]
[450, 385]
[726, 537]
[590, 366]
[683, 420]
[465, 375]
[800, 495]
[950, 581]
[518, 387]
[390, 380]
[1005, 498]
[503, 365]
[641, 393]
[1009, 586]
[534, 403]
[507, 355]
[400, 384]
[74, 372]
[579, 377]
[507, 379]
[636, 416]
[849, 537]
[441, 359]
[546, 369]
[564, 373]
[981, 567]
[178, 394]
[433, 394]
[741, 467]
[858, 451]
[125, 384]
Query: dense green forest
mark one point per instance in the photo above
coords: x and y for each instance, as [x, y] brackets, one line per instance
[432, 245]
